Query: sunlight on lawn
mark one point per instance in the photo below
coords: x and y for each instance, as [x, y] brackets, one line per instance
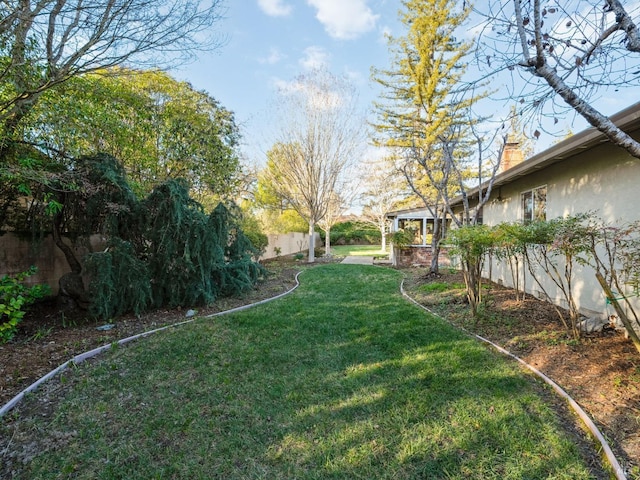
[358, 250]
[342, 379]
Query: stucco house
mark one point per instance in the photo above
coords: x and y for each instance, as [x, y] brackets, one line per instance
[583, 173]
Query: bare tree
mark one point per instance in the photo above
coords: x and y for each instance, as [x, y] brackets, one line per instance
[320, 135]
[573, 50]
[336, 208]
[45, 42]
[382, 190]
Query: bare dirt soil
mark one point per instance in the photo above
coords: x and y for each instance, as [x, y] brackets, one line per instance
[600, 371]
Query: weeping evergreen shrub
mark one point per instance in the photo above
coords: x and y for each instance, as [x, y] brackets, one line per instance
[165, 251]
[120, 281]
[239, 272]
[182, 254]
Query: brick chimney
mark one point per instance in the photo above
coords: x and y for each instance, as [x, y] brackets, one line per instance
[511, 156]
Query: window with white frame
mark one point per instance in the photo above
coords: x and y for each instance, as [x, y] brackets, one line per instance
[534, 204]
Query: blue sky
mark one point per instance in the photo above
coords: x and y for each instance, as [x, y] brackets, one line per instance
[269, 42]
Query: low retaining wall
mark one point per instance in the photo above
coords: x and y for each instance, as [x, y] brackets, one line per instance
[418, 256]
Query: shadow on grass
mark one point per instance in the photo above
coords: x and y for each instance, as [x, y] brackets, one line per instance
[344, 379]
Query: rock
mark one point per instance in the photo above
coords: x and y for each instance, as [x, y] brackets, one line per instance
[592, 325]
[190, 313]
[106, 327]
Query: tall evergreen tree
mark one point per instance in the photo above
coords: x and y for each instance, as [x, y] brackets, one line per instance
[424, 111]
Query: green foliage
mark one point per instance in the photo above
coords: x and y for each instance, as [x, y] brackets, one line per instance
[183, 252]
[251, 227]
[285, 221]
[426, 67]
[14, 298]
[164, 250]
[353, 233]
[471, 243]
[161, 128]
[401, 238]
[239, 272]
[435, 287]
[120, 281]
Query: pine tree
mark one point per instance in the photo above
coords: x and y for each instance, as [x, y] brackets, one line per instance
[424, 112]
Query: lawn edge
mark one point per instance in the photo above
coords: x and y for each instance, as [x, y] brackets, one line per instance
[7, 407]
[588, 423]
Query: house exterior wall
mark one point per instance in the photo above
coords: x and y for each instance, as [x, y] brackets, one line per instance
[603, 180]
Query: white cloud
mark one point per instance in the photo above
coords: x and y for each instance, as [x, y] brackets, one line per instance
[314, 58]
[274, 57]
[354, 76]
[345, 19]
[315, 97]
[275, 8]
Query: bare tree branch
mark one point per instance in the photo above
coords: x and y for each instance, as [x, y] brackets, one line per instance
[575, 48]
[46, 42]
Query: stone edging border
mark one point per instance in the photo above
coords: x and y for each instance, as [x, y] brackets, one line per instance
[96, 351]
[588, 422]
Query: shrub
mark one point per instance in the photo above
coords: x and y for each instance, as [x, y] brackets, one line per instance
[14, 297]
[251, 228]
[401, 238]
[352, 233]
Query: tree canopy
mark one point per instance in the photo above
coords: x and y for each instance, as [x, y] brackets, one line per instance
[44, 43]
[161, 128]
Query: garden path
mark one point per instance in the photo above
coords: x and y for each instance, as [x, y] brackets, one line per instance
[358, 260]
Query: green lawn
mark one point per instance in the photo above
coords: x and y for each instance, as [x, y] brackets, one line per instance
[363, 250]
[343, 379]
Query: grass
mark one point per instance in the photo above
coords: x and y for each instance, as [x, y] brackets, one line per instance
[361, 250]
[343, 379]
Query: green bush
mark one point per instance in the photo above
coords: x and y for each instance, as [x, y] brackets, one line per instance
[251, 228]
[14, 298]
[401, 238]
[353, 233]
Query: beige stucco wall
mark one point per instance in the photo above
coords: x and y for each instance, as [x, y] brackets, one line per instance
[19, 252]
[604, 180]
[288, 243]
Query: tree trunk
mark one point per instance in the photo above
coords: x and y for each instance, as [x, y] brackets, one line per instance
[327, 242]
[312, 241]
[383, 242]
[434, 268]
[72, 291]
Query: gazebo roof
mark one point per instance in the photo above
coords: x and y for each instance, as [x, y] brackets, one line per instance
[410, 214]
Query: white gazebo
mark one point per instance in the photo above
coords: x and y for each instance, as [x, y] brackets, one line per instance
[421, 223]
